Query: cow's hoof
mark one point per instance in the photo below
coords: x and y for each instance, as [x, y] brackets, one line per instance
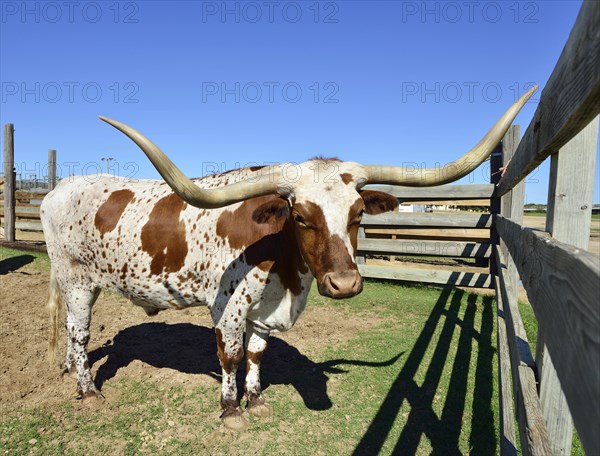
[92, 399]
[260, 410]
[235, 420]
[69, 373]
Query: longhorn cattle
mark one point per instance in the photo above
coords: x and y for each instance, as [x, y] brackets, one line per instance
[247, 244]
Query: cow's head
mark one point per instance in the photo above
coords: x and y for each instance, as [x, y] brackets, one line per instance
[323, 204]
[323, 199]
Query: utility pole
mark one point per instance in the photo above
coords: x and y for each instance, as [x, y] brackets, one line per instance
[107, 160]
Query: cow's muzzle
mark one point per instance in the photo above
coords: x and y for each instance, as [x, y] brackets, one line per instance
[339, 285]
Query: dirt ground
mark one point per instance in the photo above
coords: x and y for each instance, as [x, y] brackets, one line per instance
[539, 223]
[27, 380]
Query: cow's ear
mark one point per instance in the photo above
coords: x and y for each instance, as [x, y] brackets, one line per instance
[378, 202]
[272, 211]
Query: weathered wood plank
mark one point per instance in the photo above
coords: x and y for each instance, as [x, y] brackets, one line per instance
[452, 202]
[21, 204]
[510, 203]
[532, 429]
[459, 234]
[563, 285]
[441, 192]
[463, 279]
[360, 256]
[426, 248]
[568, 220]
[28, 195]
[24, 211]
[571, 189]
[508, 441]
[570, 100]
[51, 169]
[28, 225]
[390, 219]
[23, 245]
[9, 182]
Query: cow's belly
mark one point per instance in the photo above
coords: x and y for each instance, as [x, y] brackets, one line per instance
[153, 293]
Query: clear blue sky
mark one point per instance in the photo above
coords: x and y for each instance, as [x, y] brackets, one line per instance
[219, 84]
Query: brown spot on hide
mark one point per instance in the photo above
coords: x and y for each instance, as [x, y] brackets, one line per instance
[271, 245]
[228, 363]
[163, 236]
[346, 178]
[252, 357]
[110, 211]
[124, 271]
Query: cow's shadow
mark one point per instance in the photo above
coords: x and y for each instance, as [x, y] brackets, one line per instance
[192, 349]
[15, 263]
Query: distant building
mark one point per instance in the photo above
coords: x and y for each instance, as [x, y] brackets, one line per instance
[411, 208]
[444, 207]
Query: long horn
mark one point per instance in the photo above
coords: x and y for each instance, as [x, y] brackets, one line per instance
[411, 177]
[264, 182]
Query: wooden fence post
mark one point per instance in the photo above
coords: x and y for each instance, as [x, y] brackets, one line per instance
[568, 220]
[51, 169]
[361, 257]
[495, 174]
[510, 206]
[9, 182]
[533, 433]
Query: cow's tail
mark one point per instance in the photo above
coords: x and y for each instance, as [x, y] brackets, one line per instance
[54, 302]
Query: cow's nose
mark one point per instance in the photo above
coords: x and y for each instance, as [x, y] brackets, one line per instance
[339, 285]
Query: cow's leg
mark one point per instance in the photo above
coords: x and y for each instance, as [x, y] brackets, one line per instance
[55, 302]
[256, 344]
[231, 352]
[69, 368]
[79, 302]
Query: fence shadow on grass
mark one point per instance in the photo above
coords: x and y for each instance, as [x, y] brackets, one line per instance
[192, 349]
[443, 433]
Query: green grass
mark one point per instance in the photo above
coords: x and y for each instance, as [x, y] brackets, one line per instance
[422, 380]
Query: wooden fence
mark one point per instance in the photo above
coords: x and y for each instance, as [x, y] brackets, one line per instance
[27, 209]
[559, 385]
[20, 209]
[399, 237]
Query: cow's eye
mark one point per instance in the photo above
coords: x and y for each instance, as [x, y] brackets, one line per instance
[299, 220]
